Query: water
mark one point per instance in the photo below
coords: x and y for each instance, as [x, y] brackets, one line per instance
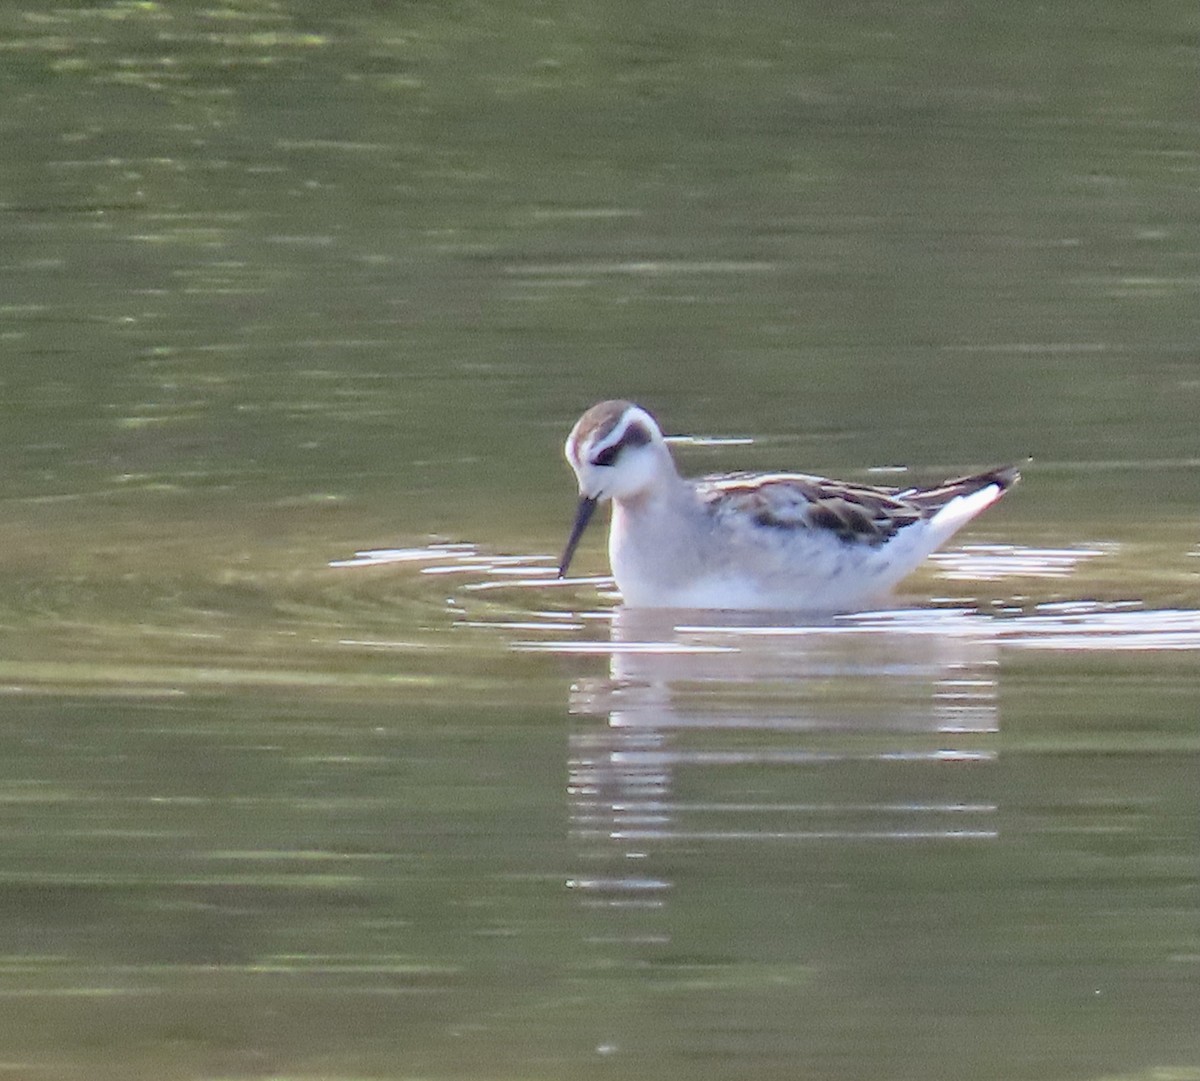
[280, 286]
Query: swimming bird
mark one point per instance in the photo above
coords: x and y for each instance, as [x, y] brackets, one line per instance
[784, 541]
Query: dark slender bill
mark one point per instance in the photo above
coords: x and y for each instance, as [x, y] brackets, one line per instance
[583, 515]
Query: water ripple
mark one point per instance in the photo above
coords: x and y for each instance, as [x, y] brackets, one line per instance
[1070, 624]
[992, 562]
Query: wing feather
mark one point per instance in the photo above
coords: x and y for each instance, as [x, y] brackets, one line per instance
[854, 513]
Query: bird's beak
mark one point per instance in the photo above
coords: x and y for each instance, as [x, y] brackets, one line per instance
[583, 515]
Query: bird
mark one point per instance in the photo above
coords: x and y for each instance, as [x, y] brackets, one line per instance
[753, 541]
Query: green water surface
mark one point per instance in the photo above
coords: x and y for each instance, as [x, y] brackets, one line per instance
[280, 282]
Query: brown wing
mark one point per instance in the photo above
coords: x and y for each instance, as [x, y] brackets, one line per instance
[855, 513]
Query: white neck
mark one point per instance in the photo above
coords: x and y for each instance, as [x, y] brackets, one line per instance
[652, 543]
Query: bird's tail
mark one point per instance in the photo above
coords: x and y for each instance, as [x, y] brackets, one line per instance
[935, 498]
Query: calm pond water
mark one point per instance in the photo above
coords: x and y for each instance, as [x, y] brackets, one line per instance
[310, 769]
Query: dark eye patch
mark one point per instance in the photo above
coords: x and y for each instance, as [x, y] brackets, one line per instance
[635, 436]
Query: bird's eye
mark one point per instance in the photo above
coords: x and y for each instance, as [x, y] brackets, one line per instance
[607, 456]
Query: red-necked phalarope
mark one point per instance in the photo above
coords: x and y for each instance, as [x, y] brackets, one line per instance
[753, 540]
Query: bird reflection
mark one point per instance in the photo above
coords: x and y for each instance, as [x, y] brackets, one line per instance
[713, 728]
